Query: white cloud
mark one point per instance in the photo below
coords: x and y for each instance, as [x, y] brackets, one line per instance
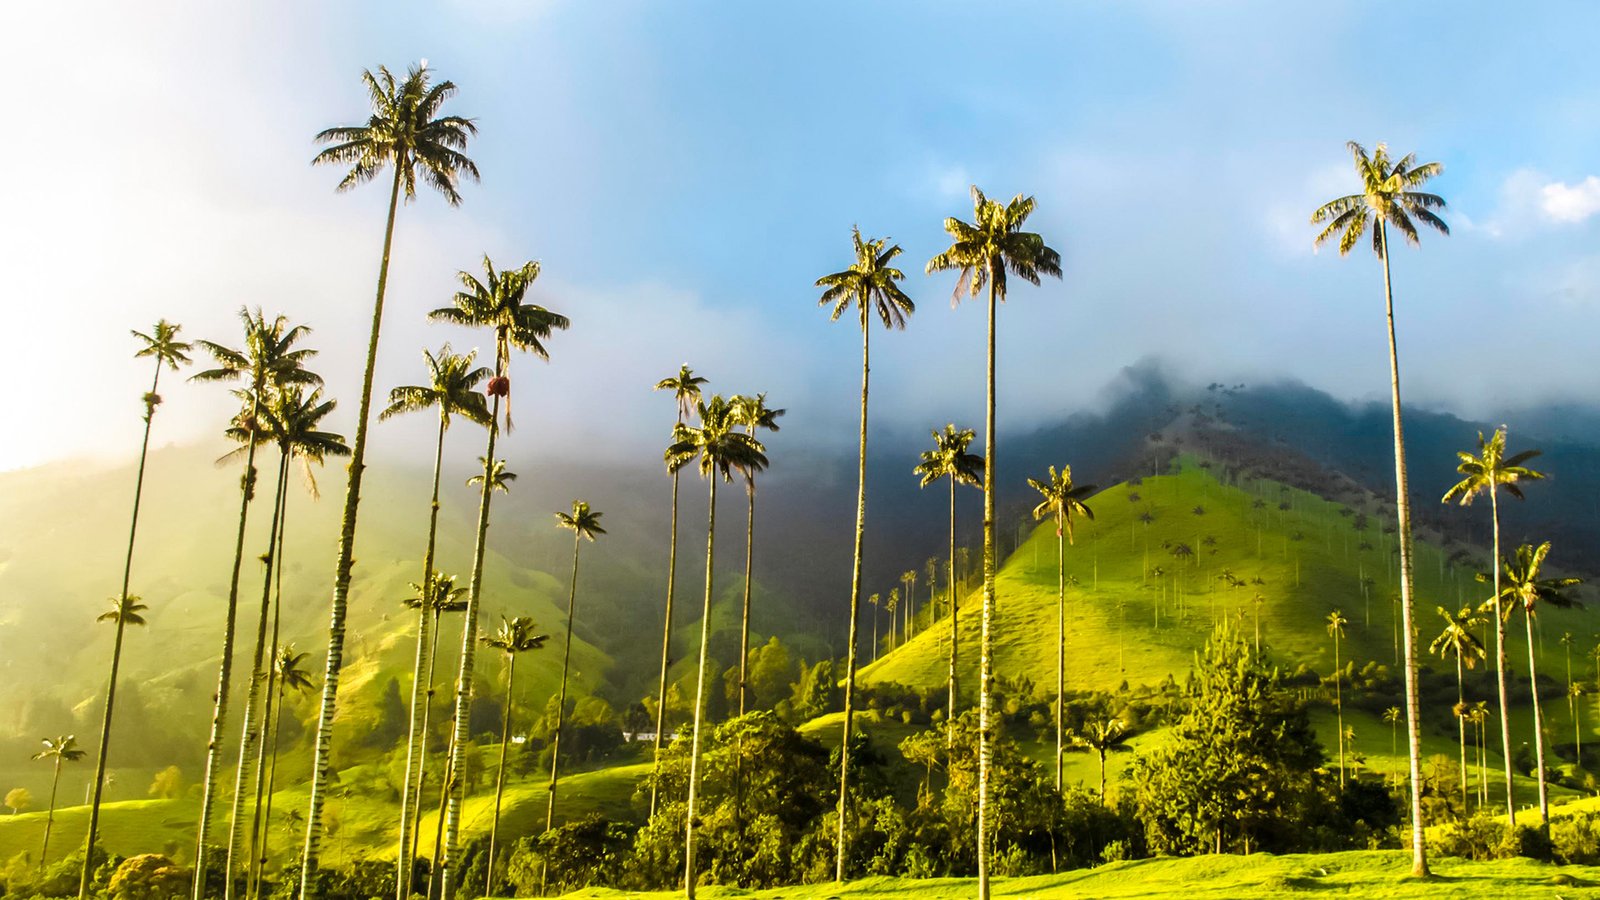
[1571, 203]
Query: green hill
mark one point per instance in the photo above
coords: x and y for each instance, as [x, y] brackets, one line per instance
[1143, 596]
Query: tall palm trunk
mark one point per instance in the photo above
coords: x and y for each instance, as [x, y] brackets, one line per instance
[248, 735]
[985, 653]
[700, 698]
[469, 644]
[855, 604]
[1338, 704]
[261, 822]
[1061, 643]
[276, 722]
[50, 816]
[950, 714]
[749, 567]
[435, 871]
[1419, 859]
[561, 704]
[423, 736]
[412, 787]
[500, 774]
[1461, 727]
[116, 650]
[1538, 726]
[1500, 661]
[219, 713]
[339, 607]
[666, 646]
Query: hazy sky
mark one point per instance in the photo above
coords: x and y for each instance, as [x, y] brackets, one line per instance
[685, 171]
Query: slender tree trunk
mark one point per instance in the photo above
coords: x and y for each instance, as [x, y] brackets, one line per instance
[275, 718]
[1500, 662]
[249, 734]
[1419, 859]
[469, 643]
[950, 715]
[666, 648]
[699, 699]
[1102, 778]
[260, 824]
[423, 736]
[116, 651]
[500, 773]
[985, 656]
[219, 713]
[1061, 643]
[1461, 728]
[1538, 727]
[409, 791]
[435, 871]
[749, 568]
[1338, 703]
[841, 850]
[50, 816]
[323, 758]
[561, 704]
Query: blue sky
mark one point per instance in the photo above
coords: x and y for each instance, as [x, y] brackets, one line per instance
[685, 171]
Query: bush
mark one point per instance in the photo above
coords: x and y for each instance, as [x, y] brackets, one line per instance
[150, 876]
[1576, 839]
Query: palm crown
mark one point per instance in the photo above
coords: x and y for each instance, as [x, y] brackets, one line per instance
[515, 635]
[685, 388]
[125, 609]
[583, 521]
[268, 358]
[406, 131]
[163, 344]
[1063, 500]
[993, 245]
[290, 667]
[869, 283]
[949, 458]
[1386, 197]
[716, 442]
[499, 478]
[1457, 638]
[440, 595]
[63, 748]
[1491, 469]
[452, 387]
[1524, 587]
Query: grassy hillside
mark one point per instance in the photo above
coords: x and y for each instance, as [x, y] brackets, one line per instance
[1128, 620]
[1381, 875]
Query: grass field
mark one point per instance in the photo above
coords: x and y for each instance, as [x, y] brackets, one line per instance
[1382, 875]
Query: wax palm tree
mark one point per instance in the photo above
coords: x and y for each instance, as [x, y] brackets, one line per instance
[289, 674]
[1458, 640]
[686, 391]
[908, 580]
[292, 419]
[871, 285]
[1336, 623]
[451, 389]
[267, 361]
[1522, 585]
[949, 459]
[986, 252]
[163, 346]
[754, 414]
[720, 449]
[874, 601]
[1392, 716]
[407, 133]
[1062, 501]
[584, 524]
[1104, 736]
[1388, 198]
[57, 751]
[516, 636]
[498, 301]
[1487, 473]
